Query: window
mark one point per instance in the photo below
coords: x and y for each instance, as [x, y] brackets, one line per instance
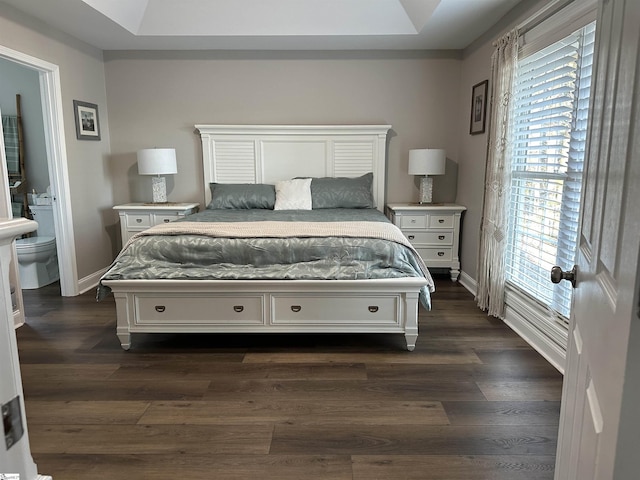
[550, 114]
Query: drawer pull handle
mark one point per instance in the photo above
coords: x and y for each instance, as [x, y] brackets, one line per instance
[373, 308]
[411, 237]
[413, 220]
[441, 254]
[296, 308]
[238, 308]
[138, 220]
[166, 220]
[441, 220]
[160, 308]
[440, 237]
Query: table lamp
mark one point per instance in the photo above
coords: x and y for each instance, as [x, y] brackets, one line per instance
[426, 161]
[158, 161]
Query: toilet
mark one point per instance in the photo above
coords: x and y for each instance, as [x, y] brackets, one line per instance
[37, 255]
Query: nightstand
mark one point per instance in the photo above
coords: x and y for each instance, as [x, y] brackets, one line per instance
[433, 229]
[136, 217]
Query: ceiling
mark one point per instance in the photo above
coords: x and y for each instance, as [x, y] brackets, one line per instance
[270, 24]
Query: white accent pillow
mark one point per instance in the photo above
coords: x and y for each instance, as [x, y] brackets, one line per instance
[293, 194]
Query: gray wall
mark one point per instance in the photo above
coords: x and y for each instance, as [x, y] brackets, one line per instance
[17, 79]
[156, 98]
[82, 78]
[472, 157]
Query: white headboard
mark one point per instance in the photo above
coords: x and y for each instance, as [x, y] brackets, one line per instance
[269, 153]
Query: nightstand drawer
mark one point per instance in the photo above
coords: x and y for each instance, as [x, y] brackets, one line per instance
[139, 220]
[413, 221]
[136, 217]
[440, 221]
[435, 254]
[429, 238]
[165, 219]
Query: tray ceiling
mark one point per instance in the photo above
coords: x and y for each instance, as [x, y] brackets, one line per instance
[270, 24]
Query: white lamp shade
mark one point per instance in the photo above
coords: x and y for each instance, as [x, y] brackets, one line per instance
[157, 161]
[427, 161]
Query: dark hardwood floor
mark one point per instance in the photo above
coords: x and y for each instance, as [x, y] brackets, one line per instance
[472, 402]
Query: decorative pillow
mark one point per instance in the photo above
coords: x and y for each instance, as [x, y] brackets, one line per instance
[293, 194]
[242, 196]
[343, 192]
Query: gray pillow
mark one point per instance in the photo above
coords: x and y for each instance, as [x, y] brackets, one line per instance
[241, 196]
[343, 192]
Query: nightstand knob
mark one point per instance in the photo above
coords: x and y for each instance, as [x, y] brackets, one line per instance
[411, 237]
[166, 220]
[296, 308]
[138, 220]
[238, 308]
[440, 237]
[441, 220]
[413, 220]
[441, 254]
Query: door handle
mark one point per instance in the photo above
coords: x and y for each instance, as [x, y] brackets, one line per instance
[557, 275]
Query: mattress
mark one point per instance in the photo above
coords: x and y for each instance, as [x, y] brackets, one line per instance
[269, 252]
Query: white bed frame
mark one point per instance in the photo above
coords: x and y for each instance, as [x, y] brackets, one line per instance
[266, 154]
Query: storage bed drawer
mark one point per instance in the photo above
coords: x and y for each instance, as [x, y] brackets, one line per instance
[307, 310]
[244, 310]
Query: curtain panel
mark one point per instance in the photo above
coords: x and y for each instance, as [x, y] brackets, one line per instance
[490, 292]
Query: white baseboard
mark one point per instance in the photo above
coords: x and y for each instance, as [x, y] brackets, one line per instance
[540, 343]
[528, 320]
[90, 281]
[468, 282]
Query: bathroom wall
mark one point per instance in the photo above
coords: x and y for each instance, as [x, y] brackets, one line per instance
[17, 79]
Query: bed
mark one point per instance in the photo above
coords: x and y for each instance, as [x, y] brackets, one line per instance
[292, 239]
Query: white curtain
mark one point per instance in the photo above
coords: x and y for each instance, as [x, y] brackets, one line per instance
[493, 229]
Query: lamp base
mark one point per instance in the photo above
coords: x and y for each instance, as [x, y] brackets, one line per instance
[426, 190]
[159, 185]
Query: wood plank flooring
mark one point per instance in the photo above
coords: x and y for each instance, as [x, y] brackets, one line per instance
[472, 402]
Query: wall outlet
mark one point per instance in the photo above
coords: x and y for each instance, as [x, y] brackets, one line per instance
[12, 422]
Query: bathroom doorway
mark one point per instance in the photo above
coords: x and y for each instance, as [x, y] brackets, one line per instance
[27, 166]
[56, 160]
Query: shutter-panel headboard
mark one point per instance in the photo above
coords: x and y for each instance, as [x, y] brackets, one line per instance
[268, 153]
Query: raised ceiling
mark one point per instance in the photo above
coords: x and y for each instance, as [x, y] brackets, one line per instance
[270, 24]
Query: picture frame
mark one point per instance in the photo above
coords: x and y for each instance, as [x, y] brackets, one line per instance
[87, 121]
[478, 107]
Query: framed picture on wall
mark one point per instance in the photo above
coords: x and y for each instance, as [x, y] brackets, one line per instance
[478, 107]
[87, 122]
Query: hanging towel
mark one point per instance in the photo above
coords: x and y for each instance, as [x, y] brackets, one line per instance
[11, 146]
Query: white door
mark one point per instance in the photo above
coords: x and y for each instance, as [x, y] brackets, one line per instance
[600, 382]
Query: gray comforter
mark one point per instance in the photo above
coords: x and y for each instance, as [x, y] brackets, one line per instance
[295, 258]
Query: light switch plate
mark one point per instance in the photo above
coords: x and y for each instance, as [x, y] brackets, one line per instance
[12, 422]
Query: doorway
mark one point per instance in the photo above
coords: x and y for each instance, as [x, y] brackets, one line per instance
[26, 156]
[55, 148]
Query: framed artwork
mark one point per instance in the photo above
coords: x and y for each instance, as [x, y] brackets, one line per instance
[87, 122]
[478, 107]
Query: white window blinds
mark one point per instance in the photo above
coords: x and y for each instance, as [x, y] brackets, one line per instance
[551, 104]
